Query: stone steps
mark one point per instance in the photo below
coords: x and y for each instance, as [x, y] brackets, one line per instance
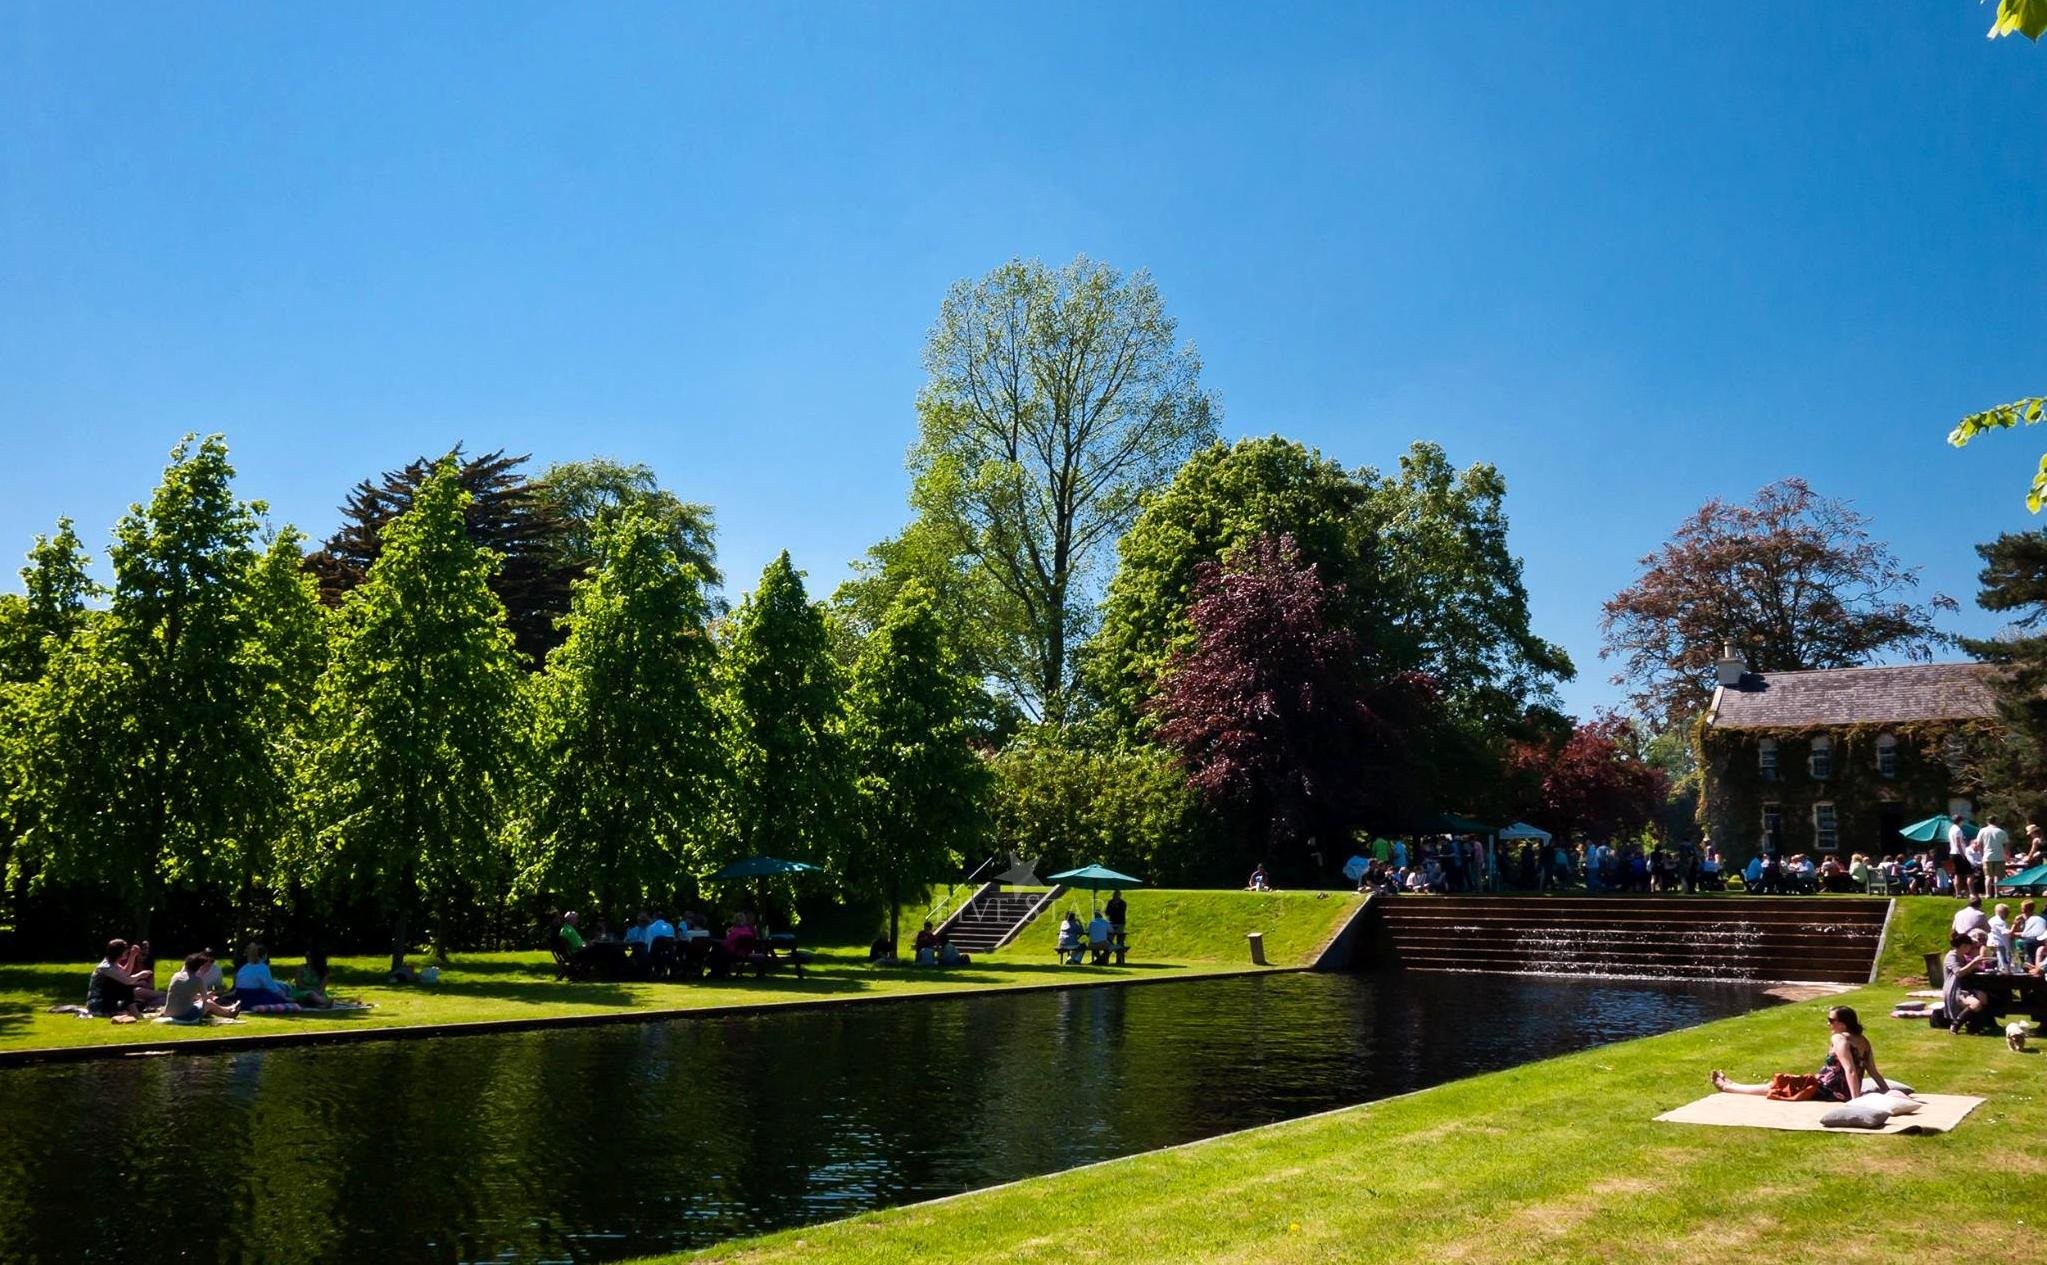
[991, 919]
[1812, 939]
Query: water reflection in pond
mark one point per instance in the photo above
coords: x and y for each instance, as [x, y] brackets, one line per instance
[604, 1143]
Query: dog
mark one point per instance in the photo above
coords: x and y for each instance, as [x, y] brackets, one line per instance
[2015, 1036]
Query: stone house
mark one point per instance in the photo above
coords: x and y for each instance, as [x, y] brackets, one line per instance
[1838, 760]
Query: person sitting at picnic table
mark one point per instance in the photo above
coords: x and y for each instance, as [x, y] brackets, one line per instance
[2030, 932]
[1098, 938]
[741, 939]
[1970, 917]
[254, 985]
[1850, 1061]
[1072, 939]
[636, 933]
[188, 1000]
[112, 989]
[1999, 929]
[1968, 957]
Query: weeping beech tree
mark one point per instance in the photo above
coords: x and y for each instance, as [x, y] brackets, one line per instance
[415, 721]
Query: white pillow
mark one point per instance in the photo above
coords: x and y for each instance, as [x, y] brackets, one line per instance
[1899, 1087]
[1860, 1114]
[1901, 1104]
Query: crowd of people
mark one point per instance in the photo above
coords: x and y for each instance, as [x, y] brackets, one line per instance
[653, 947]
[1105, 935]
[122, 987]
[1985, 950]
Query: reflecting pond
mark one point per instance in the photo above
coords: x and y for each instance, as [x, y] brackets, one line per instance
[602, 1143]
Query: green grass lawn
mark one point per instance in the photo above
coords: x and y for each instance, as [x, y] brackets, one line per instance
[1556, 1161]
[1179, 934]
[1196, 926]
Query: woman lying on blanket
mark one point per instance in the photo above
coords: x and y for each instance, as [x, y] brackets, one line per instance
[1849, 1060]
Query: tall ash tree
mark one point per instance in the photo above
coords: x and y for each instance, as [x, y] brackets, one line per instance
[923, 789]
[1056, 399]
[790, 790]
[1792, 580]
[627, 754]
[1266, 713]
[2014, 580]
[417, 721]
[148, 765]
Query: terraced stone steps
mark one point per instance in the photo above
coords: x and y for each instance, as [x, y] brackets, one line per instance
[1733, 938]
[992, 918]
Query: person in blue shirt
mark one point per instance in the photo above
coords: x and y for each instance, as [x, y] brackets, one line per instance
[636, 934]
[254, 985]
[658, 928]
[1753, 874]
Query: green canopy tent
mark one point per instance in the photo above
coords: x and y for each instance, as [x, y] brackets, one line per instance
[1095, 878]
[1936, 827]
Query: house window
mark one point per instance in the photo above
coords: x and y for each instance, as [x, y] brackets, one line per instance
[1773, 825]
[1826, 837]
[1822, 762]
[1766, 759]
[1887, 755]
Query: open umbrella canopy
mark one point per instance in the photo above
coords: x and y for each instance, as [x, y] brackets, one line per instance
[2035, 877]
[762, 867]
[1935, 827]
[1095, 878]
[1453, 824]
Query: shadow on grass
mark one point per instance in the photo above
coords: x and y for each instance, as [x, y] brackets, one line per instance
[14, 1018]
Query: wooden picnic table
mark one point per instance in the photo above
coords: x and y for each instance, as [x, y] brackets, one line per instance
[2011, 993]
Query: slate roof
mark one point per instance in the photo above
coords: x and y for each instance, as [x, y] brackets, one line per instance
[1856, 696]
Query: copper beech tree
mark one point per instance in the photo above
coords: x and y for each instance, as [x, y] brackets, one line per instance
[1593, 780]
[1792, 580]
[1266, 711]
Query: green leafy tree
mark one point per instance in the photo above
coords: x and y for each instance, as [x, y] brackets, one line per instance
[627, 749]
[1423, 579]
[1057, 399]
[585, 495]
[147, 762]
[416, 722]
[2023, 17]
[283, 655]
[790, 788]
[57, 587]
[923, 789]
[1129, 808]
[2014, 580]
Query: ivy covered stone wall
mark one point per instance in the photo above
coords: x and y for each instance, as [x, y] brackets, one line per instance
[1868, 807]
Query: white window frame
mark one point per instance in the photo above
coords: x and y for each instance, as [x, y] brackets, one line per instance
[1766, 759]
[1777, 811]
[1828, 838]
[1820, 764]
[1887, 755]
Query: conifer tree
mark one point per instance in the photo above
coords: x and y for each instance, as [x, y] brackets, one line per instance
[416, 723]
[923, 789]
[790, 788]
[626, 742]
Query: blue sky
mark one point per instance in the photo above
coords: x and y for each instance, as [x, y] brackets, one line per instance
[1635, 255]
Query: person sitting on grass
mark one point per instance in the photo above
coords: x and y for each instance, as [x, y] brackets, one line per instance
[111, 992]
[1850, 1061]
[926, 946]
[309, 985]
[949, 954]
[1968, 957]
[188, 1000]
[1072, 939]
[1259, 881]
[254, 985]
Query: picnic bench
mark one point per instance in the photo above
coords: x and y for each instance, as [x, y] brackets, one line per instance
[2008, 993]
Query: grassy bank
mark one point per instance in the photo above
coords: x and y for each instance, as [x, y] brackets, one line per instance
[1555, 1161]
[1190, 926]
[1178, 935]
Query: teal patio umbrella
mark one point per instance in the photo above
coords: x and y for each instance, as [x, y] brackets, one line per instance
[1935, 827]
[1095, 878]
[758, 870]
[2035, 877]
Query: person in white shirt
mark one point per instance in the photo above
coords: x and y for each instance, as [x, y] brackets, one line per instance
[1996, 847]
[1970, 918]
[2032, 933]
[2000, 936]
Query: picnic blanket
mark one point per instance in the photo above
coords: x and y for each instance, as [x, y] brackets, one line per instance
[274, 1008]
[1940, 1113]
[200, 1021]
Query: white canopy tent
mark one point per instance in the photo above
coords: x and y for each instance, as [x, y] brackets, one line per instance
[1522, 830]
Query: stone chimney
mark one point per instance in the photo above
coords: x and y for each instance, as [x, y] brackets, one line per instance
[1731, 667]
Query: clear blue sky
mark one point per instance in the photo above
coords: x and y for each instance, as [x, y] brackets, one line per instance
[1636, 255]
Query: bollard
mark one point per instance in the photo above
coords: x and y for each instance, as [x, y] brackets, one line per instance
[1257, 939]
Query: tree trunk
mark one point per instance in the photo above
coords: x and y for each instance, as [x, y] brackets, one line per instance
[895, 913]
[398, 929]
